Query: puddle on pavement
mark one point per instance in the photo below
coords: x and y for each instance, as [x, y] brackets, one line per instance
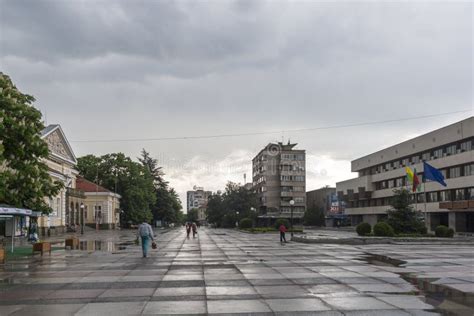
[446, 301]
[101, 245]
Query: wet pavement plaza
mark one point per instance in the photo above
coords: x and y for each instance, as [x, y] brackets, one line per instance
[230, 272]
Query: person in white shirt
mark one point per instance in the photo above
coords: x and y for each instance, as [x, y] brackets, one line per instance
[145, 232]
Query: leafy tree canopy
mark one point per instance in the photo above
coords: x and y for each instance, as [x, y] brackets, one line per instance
[24, 178]
[224, 210]
[314, 216]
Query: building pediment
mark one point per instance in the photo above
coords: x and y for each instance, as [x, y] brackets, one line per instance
[58, 145]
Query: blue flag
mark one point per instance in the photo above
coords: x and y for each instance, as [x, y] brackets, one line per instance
[433, 174]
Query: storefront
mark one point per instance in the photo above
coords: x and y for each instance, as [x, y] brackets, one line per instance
[16, 221]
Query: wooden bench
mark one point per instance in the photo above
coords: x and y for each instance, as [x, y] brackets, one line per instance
[42, 247]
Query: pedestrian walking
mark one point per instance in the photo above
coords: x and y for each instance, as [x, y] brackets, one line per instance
[282, 230]
[145, 232]
[188, 229]
[195, 230]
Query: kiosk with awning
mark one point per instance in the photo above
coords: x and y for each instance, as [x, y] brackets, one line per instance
[13, 220]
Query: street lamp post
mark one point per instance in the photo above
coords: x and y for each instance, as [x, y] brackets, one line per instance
[292, 202]
[237, 220]
[252, 209]
[82, 218]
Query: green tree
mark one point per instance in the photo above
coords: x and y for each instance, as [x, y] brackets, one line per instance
[314, 216]
[215, 209]
[167, 205]
[192, 215]
[402, 217]
[224, 210]
[128, 178]
[239, 201]
[24, 178]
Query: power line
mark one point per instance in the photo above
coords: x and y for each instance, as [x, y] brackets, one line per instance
[270, 132]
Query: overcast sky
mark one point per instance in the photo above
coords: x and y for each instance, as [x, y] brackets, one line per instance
[152, 69]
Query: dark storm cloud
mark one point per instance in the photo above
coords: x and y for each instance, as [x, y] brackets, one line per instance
[161, 30]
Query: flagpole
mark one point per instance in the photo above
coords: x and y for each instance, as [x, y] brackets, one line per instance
[424, 193]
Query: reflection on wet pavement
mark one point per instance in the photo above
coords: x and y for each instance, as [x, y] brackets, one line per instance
[225, 271]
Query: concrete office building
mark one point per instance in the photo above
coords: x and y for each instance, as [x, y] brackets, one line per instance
[449, 149]
[278, 177]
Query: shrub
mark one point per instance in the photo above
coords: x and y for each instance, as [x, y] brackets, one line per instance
[363, 229]
[246, 223]
[441, 231]
[283, 221]
[383, 229]
[450, 233]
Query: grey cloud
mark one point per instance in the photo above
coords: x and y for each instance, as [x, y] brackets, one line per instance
[133, 69]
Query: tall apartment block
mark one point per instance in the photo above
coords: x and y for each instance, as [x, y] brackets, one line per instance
[197, 199]
[449, 149]
[279, 176]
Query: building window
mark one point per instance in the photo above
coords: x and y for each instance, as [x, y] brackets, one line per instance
[438, 153]
[415, 159]
[400, 182]
[454, 172]
[451, 150]
[459, 195]
[405, 162]
[391, 184]
[432, 197]
[466, 146]
[469, 170]
[421, 198]
[299, 200]
[445, 196]
[470, 193]
[426, 156]
[396, 164]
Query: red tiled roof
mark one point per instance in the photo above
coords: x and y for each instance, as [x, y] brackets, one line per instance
[88, 186]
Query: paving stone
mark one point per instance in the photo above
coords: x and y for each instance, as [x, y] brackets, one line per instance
[179, 291]
[47, 310]
[297, 305]
[357, 303]
[127, 292]
[237, 306]
[125, 308]
[175, 308]
[406, 302]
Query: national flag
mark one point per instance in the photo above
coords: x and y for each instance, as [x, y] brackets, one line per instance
[416, 181]
[433, 174]
[412, 178]
[409, 174]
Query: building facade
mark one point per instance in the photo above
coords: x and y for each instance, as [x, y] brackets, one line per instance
[197, 199]
[61, 164]
[101, 206]
[449, 149]
[320, 199]
[279, 176]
